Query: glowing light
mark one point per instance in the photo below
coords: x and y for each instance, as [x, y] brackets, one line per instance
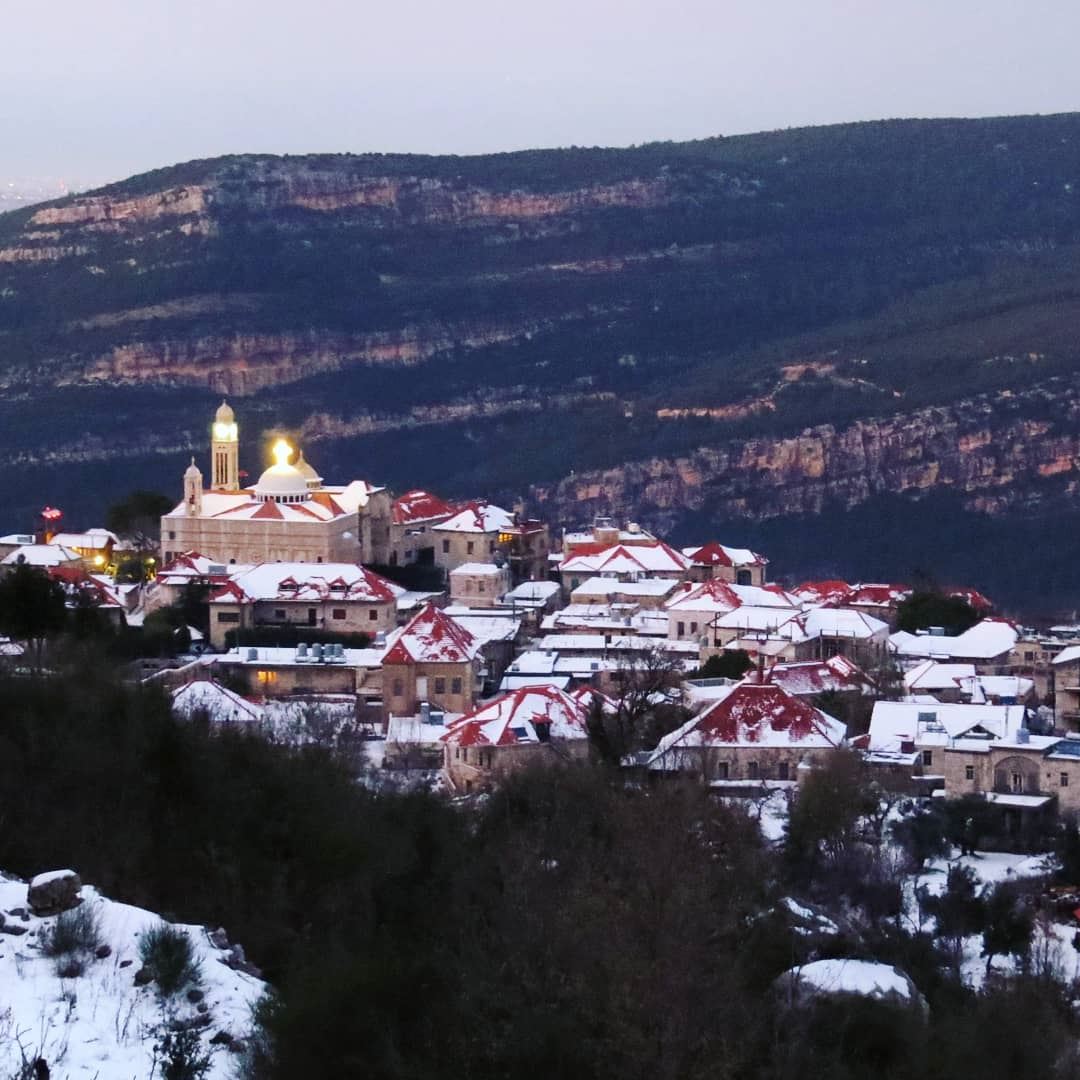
[99, 560]
[282, 451]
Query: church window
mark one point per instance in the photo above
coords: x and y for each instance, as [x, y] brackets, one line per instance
[338, 613]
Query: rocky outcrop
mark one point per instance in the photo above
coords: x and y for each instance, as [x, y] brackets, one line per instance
[53, 891]
[994, 449]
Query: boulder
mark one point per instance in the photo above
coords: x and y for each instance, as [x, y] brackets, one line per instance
[102, 952]
[218, 938]
[53, 892]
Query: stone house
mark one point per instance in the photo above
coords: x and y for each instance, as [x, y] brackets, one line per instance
[1066, 668]
[716, 562]
[479, 585]
[624, 563]
[412, 517]
[433, 660]
[284, 671]
[605, 533]
[471, 535]
[343, 598]
[528, 727]
[755, 732]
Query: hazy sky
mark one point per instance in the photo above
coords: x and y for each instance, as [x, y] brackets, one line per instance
[98, 89]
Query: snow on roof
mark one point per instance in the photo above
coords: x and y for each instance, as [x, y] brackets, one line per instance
[931, 675]
[713, 595]
[714, 554]
[822, 592]
[837, 673]
[877, 595]
[486, 628]
[863, 977]
[781, 621]
[895, 722]
[40, 555]
[656, 557]
[533, 591]
[285, 656]
[1066, 656]
[754, 715]
[609, 643]
[516, 682]
[515, 717]
[842, 622]
[983, 641]
[486, 568]
[97, 539]
[307, 582]
[533, 662]
[431, 637]
[190, 564]
[418, 505]
[980, 687]
[608, 586]
[477, 517]
[219, 703]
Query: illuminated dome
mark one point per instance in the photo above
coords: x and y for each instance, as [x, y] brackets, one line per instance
[312, 478]
[224, 414]
[282, 482]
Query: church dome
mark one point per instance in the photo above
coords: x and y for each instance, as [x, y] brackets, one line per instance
[282, 482]
[305, 469]
[224, 414]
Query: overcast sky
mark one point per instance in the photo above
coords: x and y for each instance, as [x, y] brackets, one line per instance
[98, 89]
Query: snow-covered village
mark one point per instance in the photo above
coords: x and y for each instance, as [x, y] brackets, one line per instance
[882, 778]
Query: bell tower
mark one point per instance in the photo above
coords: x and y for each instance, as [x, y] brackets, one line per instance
[193, 490]
[224, 451]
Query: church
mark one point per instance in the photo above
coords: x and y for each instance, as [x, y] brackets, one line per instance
[289, 515]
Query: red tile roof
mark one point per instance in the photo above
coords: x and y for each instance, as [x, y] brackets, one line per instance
[419, 506]
[432, 637]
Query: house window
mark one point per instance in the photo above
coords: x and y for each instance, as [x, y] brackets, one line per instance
[693, 628]
[172, 535]
[1016, 781]
[782, 771]
[1029, 655]
[440, 686]
[479, 586]
[399, 687]
[279, 613]
[1063, 780]
[446, 547]
[457, 754]
[338, 613]
[373, 615]
[491, 547]
[311, 616]
[753, 771]
[969, 772]
[722, 770]
[455, 686]
[681, 627]
[228, 617]
[266, 677]
[469, 547]
[928, 757]
[742, 577]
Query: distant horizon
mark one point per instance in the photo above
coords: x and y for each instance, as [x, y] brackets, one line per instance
[84, 185]
[97, 93]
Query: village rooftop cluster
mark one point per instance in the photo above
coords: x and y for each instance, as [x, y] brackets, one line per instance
[535, 639]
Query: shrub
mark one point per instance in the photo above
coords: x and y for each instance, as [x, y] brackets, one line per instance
[180, 1055]
[75, 931]
[169, 956]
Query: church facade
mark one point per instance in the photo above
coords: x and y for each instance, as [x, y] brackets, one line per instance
[289, 515]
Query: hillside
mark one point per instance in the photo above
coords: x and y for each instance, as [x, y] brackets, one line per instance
[717, 334]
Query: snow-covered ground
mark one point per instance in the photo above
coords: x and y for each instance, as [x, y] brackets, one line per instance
[100, 1025]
